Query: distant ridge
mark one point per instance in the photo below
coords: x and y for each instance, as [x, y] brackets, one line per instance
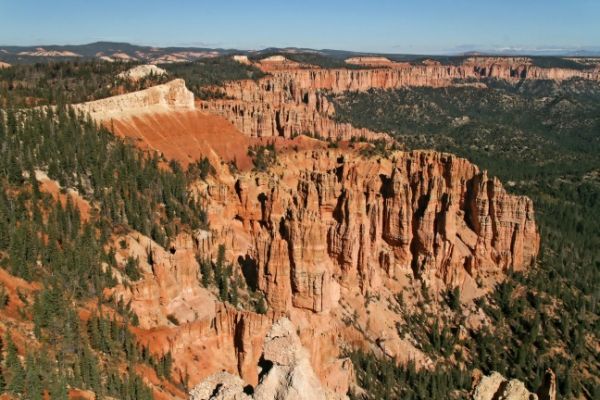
[121, 51]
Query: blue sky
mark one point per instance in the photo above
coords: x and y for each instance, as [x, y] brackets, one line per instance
[431, 26]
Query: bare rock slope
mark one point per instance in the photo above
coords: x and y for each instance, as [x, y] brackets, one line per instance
[286, 373]
[171, 96]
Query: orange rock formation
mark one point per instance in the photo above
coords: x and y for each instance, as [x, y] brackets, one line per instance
[317, 234]
[290, 100]
[330, 237]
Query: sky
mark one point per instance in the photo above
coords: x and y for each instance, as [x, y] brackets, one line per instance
[432, 26]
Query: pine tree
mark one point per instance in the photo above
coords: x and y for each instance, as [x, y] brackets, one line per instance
[14, 368]
[33, 383]
[58, 388]
[205, 271]
[2, 381]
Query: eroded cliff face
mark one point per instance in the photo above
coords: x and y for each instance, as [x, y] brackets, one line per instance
[290, 101]
[329, 236]
[334, 219]
[276, 107]
[320, 234]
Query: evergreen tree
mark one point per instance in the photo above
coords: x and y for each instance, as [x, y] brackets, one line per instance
[2, 380]
[33, 383]
[14, 368]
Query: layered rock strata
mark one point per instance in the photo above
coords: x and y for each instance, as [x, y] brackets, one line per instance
[332, 219]
[318, 234]
[289, 101]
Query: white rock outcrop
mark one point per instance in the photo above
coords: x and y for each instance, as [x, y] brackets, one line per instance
[141, 71]
[497, 387]
[286, 373]
[220, 386]
[171, 96]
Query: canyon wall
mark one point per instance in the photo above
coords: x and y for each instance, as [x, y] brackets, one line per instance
[329, 236]
[318, 234]
[290, 100]
[275, 107]
[334, 219]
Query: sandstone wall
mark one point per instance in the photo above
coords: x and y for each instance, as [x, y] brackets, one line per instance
[336, 220]
[290, 100]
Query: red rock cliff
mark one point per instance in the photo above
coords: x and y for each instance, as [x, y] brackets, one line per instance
[289, 101]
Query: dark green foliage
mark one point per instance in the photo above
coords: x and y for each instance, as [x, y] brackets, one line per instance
[558, 62]
[14, 371]
[205, 271]
[33, 379]
[4, 298]
[378, 148]
[114, 338]
[263, 157]
[543, 138]
[129, 185]
[453, 298]
[202, 76]
[382, 378]
[201, 169]
[43, 239]
[65, 82]
[132, 269]
[261, 304]
[173, 319]
[222, 273]
[558, 134]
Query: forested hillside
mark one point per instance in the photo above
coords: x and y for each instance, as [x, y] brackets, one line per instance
[82, 339]
[71, 82]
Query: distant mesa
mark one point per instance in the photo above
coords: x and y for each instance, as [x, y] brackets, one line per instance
[375, 62]
[275, 59]
[371, 61]
[278, 62]
[122, 56]
[429, 61]
[41, 52]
